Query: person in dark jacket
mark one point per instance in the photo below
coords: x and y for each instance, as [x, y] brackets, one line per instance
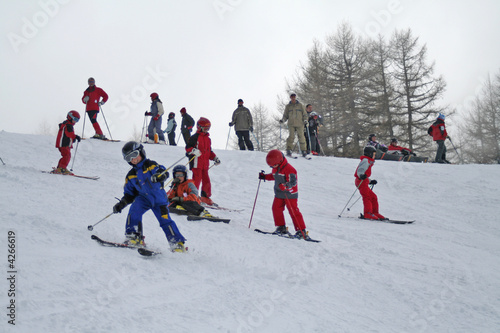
[64, 142]
[187, 125]
[144, 190]
[92, 100]
[243, 125]
[439, 135]
[286, 193]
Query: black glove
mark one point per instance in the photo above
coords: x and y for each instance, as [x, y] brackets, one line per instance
[363, 177]
[119, 206]
[251, 128]
[176, 181]
[77, 138]
[147, 113]
[262, 175]
[231, 124]
[159, 177]
[281, 121]
[373, 182]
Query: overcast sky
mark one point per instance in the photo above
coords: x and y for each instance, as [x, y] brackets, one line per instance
[206, 54]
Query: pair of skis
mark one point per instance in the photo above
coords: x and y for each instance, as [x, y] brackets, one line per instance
[72, 175]
[142, 251]
[286, 235]
[196, 218]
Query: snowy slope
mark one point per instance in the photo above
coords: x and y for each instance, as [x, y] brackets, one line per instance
[441, 274]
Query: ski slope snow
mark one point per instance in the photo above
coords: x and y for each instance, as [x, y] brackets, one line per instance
[440, 274]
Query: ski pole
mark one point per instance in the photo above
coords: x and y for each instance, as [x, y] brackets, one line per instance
[340, 215]
[255, 201]
[110, 136]
[143, 127]
[2, 161]
[309, 135]
[349, 208]
[228, 134]
[456, 151]
[178, 138]
[91, 227]
[173, 176]
[83, 132]
[258, 144]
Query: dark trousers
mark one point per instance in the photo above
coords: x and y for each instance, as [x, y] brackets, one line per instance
[186, 135]
[244, 138]
[441, 152]
[171, 138]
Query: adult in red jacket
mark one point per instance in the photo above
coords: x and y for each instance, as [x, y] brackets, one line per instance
[199, 146]
[286, 193]
[64, 141]
[92, 99]
[362, 174]
[439, 134]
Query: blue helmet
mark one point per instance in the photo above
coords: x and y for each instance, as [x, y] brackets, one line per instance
[180, 168]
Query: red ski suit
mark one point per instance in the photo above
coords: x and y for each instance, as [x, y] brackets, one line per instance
[94, 93]
[64, 142]
[370, 200]
[286, 194]
[200, 165]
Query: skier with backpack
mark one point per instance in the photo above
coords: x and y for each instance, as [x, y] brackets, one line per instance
[439, 135]
[144, 190]
[362, 174]
[286, 193]
[64, 142]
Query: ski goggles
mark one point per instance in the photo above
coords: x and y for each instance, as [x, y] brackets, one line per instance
[130, 156]
[179, 174]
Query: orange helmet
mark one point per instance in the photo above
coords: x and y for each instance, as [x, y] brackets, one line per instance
[274, 157]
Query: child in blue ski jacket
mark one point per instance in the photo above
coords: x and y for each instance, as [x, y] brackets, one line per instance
[144, 190]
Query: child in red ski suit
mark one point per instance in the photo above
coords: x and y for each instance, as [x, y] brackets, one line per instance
[199, 146]
[362, 174]
[285, 193]
[64, 142]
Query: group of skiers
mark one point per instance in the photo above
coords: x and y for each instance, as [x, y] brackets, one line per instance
[144, 183]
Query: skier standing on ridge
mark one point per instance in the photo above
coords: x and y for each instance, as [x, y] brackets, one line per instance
[285, 193]
[200, 146]
[187, 125]
[439, 135]
[296, 115]
[92, 99]
[144, 190]
[170, 130]
[156, 112]
[362, 174]
[243, 125]
[64, 142]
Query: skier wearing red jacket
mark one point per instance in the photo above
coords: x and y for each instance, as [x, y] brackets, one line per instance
[64, 141]
[286, 193]
[200, 146]
[92, 99]
[362, 174]
[439, 135]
